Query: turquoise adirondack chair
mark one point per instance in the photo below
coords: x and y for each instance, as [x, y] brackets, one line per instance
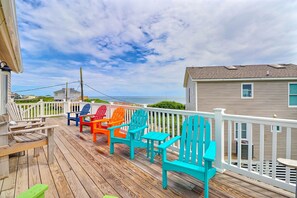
[195, 148]
[135, 132]
[84, 111]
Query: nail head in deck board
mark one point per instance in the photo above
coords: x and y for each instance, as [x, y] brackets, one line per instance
[22, 176]
[34, 173]
[96, 178]
[59, 179]
[86, 181]
[46, 177]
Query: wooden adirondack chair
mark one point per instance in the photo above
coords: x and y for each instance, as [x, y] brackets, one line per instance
[117, 118]
[85, 110]
[16, 114]
[135, 132]
[83, 121]
[197, 152]
[14, 141]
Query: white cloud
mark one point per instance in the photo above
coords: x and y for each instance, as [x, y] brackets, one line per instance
[181, 33]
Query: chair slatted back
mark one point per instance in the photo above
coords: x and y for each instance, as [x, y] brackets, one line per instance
[14, 111]
[118, 114]
[139, 119]
[100, 113]
[85, 110]
[195, 140]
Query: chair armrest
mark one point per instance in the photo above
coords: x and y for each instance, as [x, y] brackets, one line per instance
[116, 122]
[88, 115]
[115, 127]
[101, 120]
[76, 112]
[168, 143]
[210, 153]
[138, 129]
[29, 130]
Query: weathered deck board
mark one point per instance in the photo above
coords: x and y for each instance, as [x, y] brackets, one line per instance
[85, 169]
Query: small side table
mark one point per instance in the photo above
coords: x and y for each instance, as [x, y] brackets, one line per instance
[151, 137]
[292, 164]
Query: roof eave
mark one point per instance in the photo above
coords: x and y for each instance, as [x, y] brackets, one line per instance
[245, 79]
[10, 48]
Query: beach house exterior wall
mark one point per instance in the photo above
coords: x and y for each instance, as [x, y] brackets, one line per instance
[191, 91]
[263, 95]
[10, 56]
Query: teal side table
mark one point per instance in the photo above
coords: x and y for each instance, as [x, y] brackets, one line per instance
[151, 137]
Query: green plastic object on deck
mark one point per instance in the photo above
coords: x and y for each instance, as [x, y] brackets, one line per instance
[36, 191]
[109, 196]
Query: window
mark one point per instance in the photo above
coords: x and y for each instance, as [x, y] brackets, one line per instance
[247, 90]
[276, 128]
[243, 131]
[292, 94]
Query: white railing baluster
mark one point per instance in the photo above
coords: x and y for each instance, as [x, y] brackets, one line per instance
[168, 129]
[159, 122]
[163, 121]
[274, 152]
[155, 121]
[288, 153]
[239, 145]
[178, 129]
[250, 147]
[229, 142]
[261, 150]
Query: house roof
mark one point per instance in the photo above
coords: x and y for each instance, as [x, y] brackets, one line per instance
[241, 72]
[10, 44]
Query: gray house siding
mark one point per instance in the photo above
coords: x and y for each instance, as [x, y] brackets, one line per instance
[270, 99]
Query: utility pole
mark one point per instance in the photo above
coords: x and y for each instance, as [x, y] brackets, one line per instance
[81, 85]
[66, 91]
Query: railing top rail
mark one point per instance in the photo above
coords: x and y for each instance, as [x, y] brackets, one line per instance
[184, 112]
[261, 120]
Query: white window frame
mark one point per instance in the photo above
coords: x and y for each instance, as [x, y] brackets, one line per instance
[252, 85]
[235, 138]
[290, 106]
[278, 131]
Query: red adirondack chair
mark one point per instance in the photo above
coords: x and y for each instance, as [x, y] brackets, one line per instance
[100, 114]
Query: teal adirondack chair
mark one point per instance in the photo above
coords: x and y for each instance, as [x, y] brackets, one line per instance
[195, 148]
[135, 132]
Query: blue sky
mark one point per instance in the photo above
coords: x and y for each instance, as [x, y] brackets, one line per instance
[143, 47]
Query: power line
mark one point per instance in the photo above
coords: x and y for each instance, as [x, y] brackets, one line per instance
[108, 95]
[38, 88]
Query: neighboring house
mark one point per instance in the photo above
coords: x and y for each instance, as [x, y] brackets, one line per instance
[72, 94]
[28, 97]
[255, 90]
[10, 56]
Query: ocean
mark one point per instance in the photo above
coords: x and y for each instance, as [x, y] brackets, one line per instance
[142, 99]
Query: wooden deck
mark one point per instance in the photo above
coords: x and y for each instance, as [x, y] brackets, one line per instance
[86, 169]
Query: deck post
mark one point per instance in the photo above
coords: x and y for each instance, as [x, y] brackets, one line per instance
[4, 161]
[109, 109]
[41, 108]
[50, 145]
[219, 138]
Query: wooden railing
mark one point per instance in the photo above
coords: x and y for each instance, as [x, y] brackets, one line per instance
[246, 145]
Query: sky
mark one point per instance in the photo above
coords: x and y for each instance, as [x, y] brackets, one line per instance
[141, 48]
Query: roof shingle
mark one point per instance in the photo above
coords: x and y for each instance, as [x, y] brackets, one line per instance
[242, 72]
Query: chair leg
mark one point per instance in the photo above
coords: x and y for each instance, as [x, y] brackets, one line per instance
[206, 188]
[68, 121]
[94, 137]
[36, 152]
[164, 179]
[131, 151]
[80, 127]
[76, 122]
[111, 148]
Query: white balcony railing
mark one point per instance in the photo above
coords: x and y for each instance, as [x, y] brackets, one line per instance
[246, 145]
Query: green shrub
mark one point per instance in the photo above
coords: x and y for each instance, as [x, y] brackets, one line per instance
[168, 105]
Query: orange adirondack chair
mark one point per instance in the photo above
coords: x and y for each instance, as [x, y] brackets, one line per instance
[100, 114]
[117, 118]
